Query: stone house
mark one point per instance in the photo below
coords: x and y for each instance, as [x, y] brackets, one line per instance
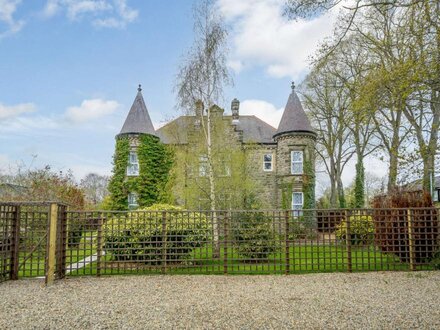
[280, 162]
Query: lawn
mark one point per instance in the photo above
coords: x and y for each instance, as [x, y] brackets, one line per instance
[304, 258]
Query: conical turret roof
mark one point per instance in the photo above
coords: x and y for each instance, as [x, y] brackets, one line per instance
[138, 120]
[294, 118]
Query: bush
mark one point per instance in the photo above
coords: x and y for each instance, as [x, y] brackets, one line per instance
[300, 228]
[392, 225]
[361, 229]
[253, 234]
[138, 236]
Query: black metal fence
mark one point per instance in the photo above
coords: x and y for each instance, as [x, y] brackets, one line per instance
[221, 242]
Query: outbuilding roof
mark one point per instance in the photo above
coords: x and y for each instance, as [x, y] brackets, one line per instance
[138, 119]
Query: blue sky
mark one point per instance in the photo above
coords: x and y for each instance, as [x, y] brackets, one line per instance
[69, 70]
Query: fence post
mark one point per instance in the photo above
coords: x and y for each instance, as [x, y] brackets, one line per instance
[61, 242]
[411, 240]
[225, 242]
[99, 247]
[15, 244]
[287, 246]
[51, 243]
[348, 240]
[164, 242]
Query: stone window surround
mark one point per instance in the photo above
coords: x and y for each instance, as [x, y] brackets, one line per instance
[297, 162]
[268, 162]
[295, 204]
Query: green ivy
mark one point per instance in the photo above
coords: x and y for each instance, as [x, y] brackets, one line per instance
[155, 162]
[359, 193]
[286, 196]
[309, 185]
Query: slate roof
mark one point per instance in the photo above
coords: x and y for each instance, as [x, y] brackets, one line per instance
[294, 118]
[417, 184]
[138, 120]
[254, 130]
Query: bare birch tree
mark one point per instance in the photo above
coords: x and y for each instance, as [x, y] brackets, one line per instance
[201, 80]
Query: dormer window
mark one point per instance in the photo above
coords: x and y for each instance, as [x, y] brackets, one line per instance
[267, 162]
[297, 162]
[133, 164]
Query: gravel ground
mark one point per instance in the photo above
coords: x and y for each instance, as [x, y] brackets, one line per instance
[368, 300]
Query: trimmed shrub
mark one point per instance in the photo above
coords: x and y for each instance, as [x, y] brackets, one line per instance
[361, 229]
[253, 235]
[142, 235]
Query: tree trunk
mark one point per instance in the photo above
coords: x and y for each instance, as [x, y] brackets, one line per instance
[333, 184]
[212, 194]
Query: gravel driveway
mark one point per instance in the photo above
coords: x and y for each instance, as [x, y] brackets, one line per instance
[367, 300]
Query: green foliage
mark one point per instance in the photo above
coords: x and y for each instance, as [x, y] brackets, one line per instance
[142, 235]
[43, 185]
[301, 228]
[359, 192]
[254, 235]
[155, 162]
[361, 229]
[286, 196]
[309, 185]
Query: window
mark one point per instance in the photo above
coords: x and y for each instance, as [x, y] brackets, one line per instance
[133, 164]
[267, 162]
[436, 196]
[225, 165]
[203, 165]
[297, 162]
[132, 200]
[297, 201]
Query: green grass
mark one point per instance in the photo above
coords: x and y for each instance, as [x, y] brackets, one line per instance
[302, 259]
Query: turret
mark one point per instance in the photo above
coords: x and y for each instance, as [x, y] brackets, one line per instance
[296, 140]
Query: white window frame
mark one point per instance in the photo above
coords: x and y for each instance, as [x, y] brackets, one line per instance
[292, 162]
[133, 164]
[225, 169]
[268, 162]
[133, 200]
[297, 207]
[436, 195]
[203, 166]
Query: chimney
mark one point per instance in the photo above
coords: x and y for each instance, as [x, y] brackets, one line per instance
[235, 106]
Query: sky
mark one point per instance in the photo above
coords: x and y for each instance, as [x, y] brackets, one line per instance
[69, 71]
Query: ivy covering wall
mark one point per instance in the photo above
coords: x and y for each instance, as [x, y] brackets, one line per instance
[152, 184]
[309, 185]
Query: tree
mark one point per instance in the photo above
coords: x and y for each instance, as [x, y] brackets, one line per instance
[95, 188]
[328, 105]
[43, 185]
[201, 80]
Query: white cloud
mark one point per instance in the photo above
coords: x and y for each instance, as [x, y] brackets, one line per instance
[12, 111]
[103, 13]
[262, 36]
[91, 110]
[7, 10]
[263, 110]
